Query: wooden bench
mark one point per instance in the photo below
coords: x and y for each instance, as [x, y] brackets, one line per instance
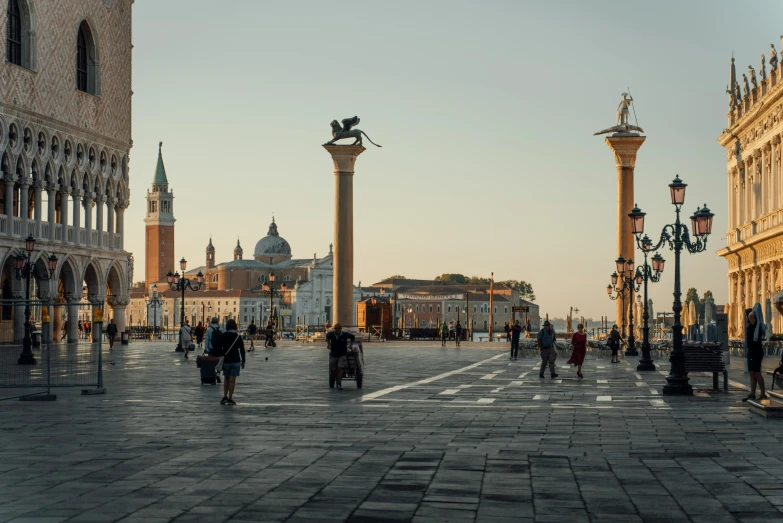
[706, 357]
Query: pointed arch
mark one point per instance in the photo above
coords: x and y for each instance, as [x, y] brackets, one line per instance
[87, 68]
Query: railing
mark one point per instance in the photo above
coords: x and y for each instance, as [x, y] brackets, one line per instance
[45, 230]
[759, 225]
[94, 238]
[82, 236]
[69, 232]
[105, 240]
[3, 224]
[116, 241]
[58, 232]
[16, 224]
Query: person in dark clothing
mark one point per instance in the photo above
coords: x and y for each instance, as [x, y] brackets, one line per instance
[458, 333]
[199, 332]
[507, 330]
[252, 330]
[111, 332]
[233, 352]
[337, 342]
[754, 352]
[515, 331]
[614, 344]
[270, 335]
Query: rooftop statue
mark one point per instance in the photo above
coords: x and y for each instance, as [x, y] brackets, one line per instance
[763, 69]
[346, 131]
[732, 99]
[773, 58]
[622, 118]
[747, 87]
[737, 93]
[753, 76]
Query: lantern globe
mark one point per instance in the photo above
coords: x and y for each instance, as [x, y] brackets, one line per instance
[657, 263]
[170, 277]
[620, 264]
[637, 220]
[29, 244]
[629, 267]
[19, 260]
[200, 277]
[646, 243]
[183, 263]
[677, 190]
[272, 276]
[609, 290]
[704, 221]
[695, 223]
[614, 278]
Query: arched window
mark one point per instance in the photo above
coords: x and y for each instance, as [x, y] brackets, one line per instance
[13, 42]
[86, 60]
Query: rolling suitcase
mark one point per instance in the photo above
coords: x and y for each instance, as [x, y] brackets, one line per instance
[207, 366]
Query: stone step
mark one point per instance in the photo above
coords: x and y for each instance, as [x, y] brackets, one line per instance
[769, 408]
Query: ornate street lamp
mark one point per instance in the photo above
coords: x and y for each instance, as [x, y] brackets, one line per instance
[24, 271]
[625, 282]
[268, 289]
[180, 284]
[646, 273]
[677, 236]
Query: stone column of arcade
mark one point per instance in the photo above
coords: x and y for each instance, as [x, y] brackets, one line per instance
[73, 320]
[344, 158]
[57, 320]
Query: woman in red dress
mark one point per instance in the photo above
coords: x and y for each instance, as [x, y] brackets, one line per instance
[579, 343]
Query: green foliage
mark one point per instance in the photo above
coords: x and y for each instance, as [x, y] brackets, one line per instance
[456, 278]
[524, 288]
[693, 295]
[396, 277]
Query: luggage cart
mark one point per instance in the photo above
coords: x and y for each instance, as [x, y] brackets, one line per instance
[354, 366]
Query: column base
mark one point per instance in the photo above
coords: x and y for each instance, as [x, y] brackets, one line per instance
[645, 366]
[631, 352]
[26, 359]
[179, 349]
[677, 386]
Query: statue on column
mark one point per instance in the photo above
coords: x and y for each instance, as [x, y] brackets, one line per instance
[732, 98]
[773, 58]
[753, 77]
[737, 93]
[623, 115]
[346, 131]
[763, 69]
[747, 86]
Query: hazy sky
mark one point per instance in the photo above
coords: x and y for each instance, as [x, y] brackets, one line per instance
[486, 113]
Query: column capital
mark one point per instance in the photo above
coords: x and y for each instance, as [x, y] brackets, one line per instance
[88, 195]
[52, 186]
[9, 177]
[112, 201]
[100, 198]
[344, 156]
[66, 189]
[77, 193]
[122, 205]
[24, 181]
[625, 149]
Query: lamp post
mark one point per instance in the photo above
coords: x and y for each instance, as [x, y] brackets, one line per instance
[268, 289]
[24, 271]
[180, 284]
[383, 292]
[624, 279]
[677, 236]
[652, 274]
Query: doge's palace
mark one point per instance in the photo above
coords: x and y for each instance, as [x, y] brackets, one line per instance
[752, 141]
[65, 138]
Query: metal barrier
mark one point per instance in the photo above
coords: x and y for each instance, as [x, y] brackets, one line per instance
[57, 366]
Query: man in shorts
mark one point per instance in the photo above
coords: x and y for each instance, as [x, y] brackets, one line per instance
[338, 341]
[548, 346]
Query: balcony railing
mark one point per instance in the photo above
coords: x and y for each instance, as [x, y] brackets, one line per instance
[21, 228]
[745, 232]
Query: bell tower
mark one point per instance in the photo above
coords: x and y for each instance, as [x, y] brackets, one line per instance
[159, 221]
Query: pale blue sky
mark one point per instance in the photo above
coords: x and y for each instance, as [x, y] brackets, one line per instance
[486, 113]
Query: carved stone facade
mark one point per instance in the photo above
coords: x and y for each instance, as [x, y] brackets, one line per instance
[754, 250]
[64, 149]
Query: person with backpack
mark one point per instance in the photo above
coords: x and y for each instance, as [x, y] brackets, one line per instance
[111, 332]
[444, 334]
[458, 332]
[252, 330]
[233, 351]
[547, 344]
[199, 332]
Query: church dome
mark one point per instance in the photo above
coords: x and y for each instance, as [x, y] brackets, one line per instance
[272, 245]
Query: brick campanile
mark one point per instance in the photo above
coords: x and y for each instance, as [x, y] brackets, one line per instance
[159, 246]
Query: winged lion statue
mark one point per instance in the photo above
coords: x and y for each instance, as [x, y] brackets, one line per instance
[346, 131]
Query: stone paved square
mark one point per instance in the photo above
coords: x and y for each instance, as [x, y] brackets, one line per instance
[434, 435]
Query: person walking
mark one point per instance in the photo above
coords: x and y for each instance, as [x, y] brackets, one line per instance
[337, 342]
[614, 343]
[185, 338]
[199, 333]
[233, 352]
[515, 331]
[212, 341]
[270, 335]
[458, 333]
[579, 345]
[755, 330]
[548, 347]
[111, 332]
[444, 334]
[252, 330]
[507, 330]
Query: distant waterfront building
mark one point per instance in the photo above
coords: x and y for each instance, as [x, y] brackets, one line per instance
[65, 139]
[752, 141]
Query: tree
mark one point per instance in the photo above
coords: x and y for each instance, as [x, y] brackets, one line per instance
[456, 278]
[693, 295]
[396, 277]
[524, 288]
[140, 285]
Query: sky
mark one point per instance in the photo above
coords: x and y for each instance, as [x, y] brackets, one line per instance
[485, 111]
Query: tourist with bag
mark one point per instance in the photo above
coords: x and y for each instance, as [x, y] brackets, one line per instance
[458, 333]
[579, 345]
[547, 344]
[199, 332]
[514, 333]
[185, 338]
[614, 344]
[252, 330]
[111, 332]
[232, 359]
[755, 332]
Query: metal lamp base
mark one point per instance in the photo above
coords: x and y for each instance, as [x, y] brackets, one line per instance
[179, 349]
[645, 366]
[631, 352]
[26, 359]
[677, 386]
